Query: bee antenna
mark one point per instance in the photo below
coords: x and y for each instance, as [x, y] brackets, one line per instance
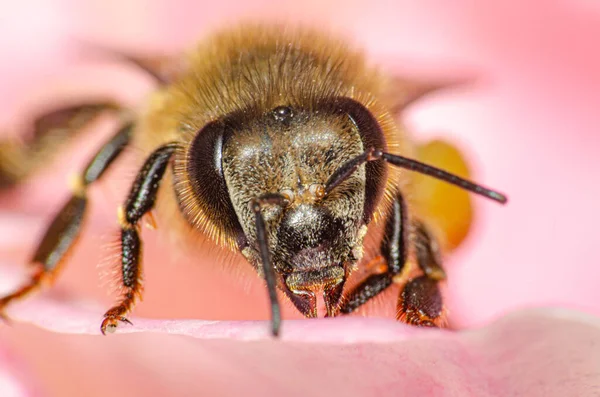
[261, 235]
[348, 168]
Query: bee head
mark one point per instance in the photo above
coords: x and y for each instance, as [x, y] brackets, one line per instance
[313, 237]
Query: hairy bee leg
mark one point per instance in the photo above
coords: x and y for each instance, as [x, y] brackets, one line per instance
[19, 159]
[64, 230]
[394, 251]
[141, 200]
[420, 302]
[427, 252]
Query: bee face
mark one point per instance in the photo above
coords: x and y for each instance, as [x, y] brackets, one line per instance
[293, 152]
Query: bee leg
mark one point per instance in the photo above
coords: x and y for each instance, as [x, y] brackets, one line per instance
[19, 159]
[140, 201]
[64, 230]
[427, 251]
[394, 251]
[420, 302]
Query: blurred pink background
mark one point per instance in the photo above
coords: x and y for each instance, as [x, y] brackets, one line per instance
[530, 128]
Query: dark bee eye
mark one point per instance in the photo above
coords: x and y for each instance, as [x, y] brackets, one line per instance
[205, 171]
[371, 136]
[283, 113]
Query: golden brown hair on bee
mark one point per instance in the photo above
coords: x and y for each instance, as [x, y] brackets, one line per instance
[282, 146]
[244, 74]
[275, 90]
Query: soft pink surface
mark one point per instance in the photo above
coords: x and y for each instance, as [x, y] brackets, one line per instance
[530, 128]
[539, 352]
[16, 379]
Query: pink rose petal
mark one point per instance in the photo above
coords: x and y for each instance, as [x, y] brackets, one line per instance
[544, 352]
[533, 133]
[16, 379]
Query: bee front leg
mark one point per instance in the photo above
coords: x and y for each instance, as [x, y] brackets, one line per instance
[140, 201]
[394, 251]
[420, 301]
[64, 230]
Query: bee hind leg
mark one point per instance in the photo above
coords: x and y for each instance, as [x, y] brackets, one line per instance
[63, 231]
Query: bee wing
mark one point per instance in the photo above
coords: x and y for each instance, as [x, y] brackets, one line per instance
[19, 157]
[409, 90]
[164, 68]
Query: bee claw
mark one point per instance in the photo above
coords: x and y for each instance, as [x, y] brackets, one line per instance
[110, 322]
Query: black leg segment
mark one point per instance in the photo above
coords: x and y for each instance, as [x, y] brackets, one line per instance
[393, 249]
[427, 252]
[61, 235]
[141, 200]
[420, 302]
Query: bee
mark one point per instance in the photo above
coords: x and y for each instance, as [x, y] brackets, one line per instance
[280, 144]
